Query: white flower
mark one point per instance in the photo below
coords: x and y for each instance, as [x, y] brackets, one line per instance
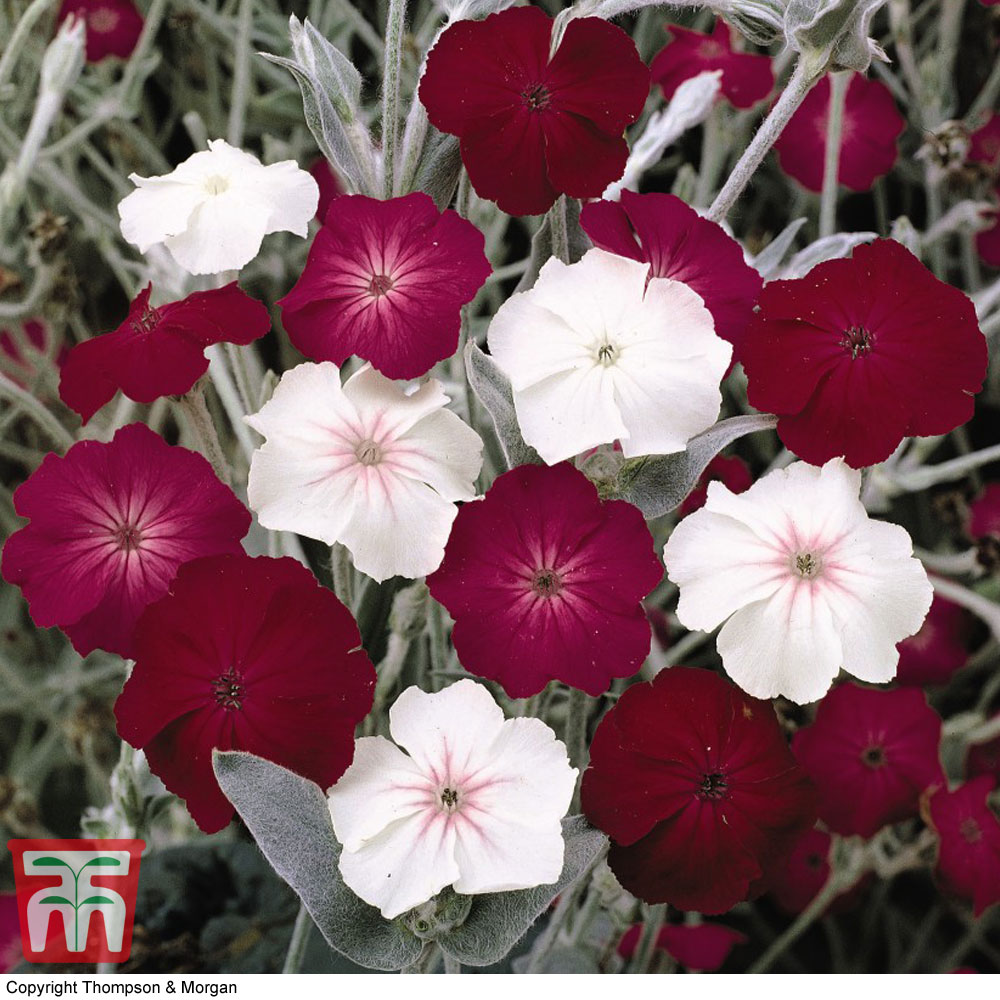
[476, 803]
[364, 464]
[214, 210]
[595, 355]
[808, 583]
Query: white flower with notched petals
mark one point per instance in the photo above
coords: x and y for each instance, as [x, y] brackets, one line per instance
[805, 581]
[598, 352]
[475, 803]
[364, 464]
[214, 210]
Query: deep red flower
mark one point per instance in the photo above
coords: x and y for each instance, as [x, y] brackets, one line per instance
[113, 26]
[983, 758]
[861, 353]
[984, 143]
[984, 512]
[746, 78]
[871, 753]
[797, 876]
[531, 127]
[969, 853]
[872, 125]
[934, 654]
[544, 581]
[10, 932]
[386, 280]
[678, 243]
[328, 183]
[159, 352]
[988, 240]
[693, 781]
[244, 654]
[110, 525]
[732, 472]
[699, 947]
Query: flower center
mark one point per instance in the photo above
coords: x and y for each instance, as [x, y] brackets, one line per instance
[229, 690]
[102, 20]
[807, 564]
[536, 98]
[713, 786]
[874, 757]
[216, 184]
[858, 341]
[381, 284]
[368, 452]
[971, 833]
[449, 799]
[146, 322]
[607, 354]
[546, 582]
[127, 537]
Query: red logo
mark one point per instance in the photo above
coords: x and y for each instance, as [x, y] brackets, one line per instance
[76, 898]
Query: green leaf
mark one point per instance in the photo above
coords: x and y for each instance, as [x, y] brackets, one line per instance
[104, 862]
[97, 901]
[498, 920]
[289, 818]
[56, 899]
[657, 484]
[492, 387]
[50, 862]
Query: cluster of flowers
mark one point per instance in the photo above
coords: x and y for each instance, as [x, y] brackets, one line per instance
[134, 546]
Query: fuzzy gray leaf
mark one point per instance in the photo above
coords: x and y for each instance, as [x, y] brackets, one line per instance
[289, 819]
[768, 261]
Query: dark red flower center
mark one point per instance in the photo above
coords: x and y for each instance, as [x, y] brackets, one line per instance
[127, 537]
[858, 341]
[970, 830]
[536, 97]
[146, 322]
[229, 689]
[546, 582]
[713, 786]
[874, 757]
[381, 284]
[815, 861]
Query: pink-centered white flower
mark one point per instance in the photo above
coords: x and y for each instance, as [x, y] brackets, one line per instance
[805, 582]
[367, 464]
[213, 211]
[475, 802]
[598, 352]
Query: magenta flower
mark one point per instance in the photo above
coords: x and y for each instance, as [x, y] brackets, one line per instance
[969, 831]
[694, 783]
[678, 243]
[329, 185]
[244, 654]
[110, 525]
[984, 512]
[700, 947]
[544, 581]
[159, 352]
[983, 758]
[746, 78]
[934, 654]
[984, 143]
[113, 26]
[534, 125]
[386, 280]
[872, 754]
[872, 124]
[20, 356]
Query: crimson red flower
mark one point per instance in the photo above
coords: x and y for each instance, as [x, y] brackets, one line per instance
[746, 78]
[733, 473]
[984, 143]
[113, 26]
[938, 649]
[984, 512]
[534, 127]
[699, 947]
[678, 243]
[797, 876]
[110, 525]
[988, 241]
[328, 183]
[244, 654]
[983, 758]
[10, 934]
[159, 352]
[872, 125]
[693, 781]
[969, 831]
[871, 753]
[544, 581]
[386, 280]
[861, 353]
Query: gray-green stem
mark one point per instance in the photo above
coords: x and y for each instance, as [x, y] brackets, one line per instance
[839, 83]
[395, 23]
[299, 942]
